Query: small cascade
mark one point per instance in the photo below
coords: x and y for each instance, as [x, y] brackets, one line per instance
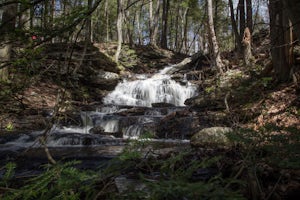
[156, 89]
[127, 113]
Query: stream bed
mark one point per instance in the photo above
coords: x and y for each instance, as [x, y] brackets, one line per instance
[145, 106]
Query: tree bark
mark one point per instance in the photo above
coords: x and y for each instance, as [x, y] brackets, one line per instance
[8, 21]
[119, 29]
[249, 15]
[280, 41]
[247, 47]
[165, 16]
[154, 22]
[234, 27]
[293, 11]
[88, 33]
[241, 8]
[216, 59]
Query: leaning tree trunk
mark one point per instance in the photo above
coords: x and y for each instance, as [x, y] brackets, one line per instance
[216, 59]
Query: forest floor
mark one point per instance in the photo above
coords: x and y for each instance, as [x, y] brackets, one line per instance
[253, 100]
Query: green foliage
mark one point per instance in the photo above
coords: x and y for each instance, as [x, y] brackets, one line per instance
[9, 126]
[9, 173]
[61, 181]
[278, 146]
[265, 81]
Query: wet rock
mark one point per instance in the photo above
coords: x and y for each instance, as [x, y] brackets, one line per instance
[177, 125]
[162, 105]
[104, 84]
[212, 137]
[124, 184]
[210, 101]
[107, 75]
[133, 112]
[97, 130]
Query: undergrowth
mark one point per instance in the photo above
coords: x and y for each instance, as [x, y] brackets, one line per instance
[178, 175]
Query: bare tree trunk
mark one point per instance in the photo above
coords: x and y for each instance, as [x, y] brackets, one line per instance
[154, 21]
[176, 42]
[88, 30]
[293, 11]
[216, 59]
[235, 28]
[249, 15]
[280, 41]
[247, 47]
[106, 20]
[8, 26]
[119, 29]
[138, 26]
[165, 14]
[241, 8]
[184, 30]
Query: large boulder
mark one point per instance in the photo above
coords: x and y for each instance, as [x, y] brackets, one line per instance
[212, 137]
[177, 125]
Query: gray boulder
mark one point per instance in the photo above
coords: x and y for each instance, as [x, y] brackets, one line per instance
[212, 137]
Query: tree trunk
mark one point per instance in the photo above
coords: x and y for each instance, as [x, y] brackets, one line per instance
[280, 41]
[154, 23]
[88, 33]
[176, 42]
[119, 29]
[249, 15]
[216, 59]
[293, 11]
[247, 47]
[165, 16]
[138, 25]
[241, 8]
[235, 28]
[106, 20]
[6, 30]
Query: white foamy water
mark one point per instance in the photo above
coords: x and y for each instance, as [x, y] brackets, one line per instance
[143, 92]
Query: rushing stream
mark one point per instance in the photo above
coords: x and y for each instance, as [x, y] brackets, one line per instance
[127, 112]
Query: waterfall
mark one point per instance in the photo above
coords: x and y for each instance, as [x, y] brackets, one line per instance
[156, 89]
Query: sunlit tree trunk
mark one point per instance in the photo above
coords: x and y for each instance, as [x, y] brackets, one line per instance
[216, 59]
[106, 20]
[154, 22]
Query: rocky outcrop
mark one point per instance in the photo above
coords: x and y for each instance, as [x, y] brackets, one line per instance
[212, 137]
[177, 125]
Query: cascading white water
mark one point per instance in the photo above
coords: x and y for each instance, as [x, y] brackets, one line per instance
[143, 92]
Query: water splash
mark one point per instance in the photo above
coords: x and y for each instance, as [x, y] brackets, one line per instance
[156, 89]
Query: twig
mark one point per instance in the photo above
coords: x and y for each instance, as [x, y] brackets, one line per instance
[49, 156]
[275, 186]
[226, 102]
